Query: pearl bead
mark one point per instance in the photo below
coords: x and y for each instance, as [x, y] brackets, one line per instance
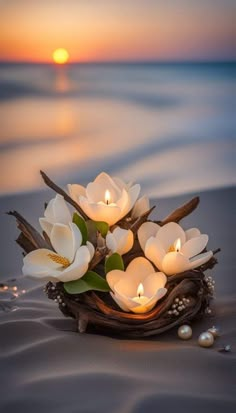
[206, 339]
[185, 332]
[214, 331]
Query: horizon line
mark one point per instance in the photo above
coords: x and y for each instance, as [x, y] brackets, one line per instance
[136, 61]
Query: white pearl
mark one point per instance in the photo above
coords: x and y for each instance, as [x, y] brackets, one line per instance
[214, 331]
[185, 332]
[206, 339]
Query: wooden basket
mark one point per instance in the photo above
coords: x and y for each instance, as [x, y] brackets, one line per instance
[99, 313]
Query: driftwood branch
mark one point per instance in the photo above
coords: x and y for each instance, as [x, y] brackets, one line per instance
[99, 255]
[60, 191]
[181, 212]
[29, 238]
[82, 323]
[133, 223]
[140, 220]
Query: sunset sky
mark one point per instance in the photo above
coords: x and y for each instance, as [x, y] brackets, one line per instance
[110, 30]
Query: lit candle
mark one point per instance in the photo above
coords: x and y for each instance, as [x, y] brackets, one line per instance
[107, 197]
[172, 249]
[174, 261]
[141, 299]
[178, 245]
[128, 287]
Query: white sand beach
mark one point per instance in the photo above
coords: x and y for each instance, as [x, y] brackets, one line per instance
[47, 366]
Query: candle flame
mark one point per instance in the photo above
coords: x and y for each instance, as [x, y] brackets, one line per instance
[107, 197]
[140, 290]
[178, 245]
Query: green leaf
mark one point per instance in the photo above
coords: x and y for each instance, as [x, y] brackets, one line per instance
[102, 227]
[81, 224]
[90, 281]
[92, 231]
[93, 227]
[114, 262]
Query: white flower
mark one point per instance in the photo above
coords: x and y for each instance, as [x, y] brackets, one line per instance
[69, 261]
[172, 249]
[138, 288]
[120, 240]
[57, 211]
[141, 206]
[105, 199]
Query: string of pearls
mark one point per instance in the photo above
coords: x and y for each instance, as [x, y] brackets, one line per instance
[210, 284]
[178, 306]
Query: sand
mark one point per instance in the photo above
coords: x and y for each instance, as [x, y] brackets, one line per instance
[45, 366]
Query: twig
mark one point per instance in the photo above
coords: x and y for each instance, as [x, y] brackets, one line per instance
[140, 220]
[29, 238]
[181, 212]
[60, 191]
[98, 257]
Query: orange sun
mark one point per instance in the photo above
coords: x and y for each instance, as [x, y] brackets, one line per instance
[60, 56]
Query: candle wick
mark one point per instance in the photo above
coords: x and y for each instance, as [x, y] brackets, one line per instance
[139, 295]
[107, 202]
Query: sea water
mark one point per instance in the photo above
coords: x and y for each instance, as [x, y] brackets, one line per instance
[170, 127]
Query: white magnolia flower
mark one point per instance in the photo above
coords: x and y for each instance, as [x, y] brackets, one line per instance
[172, 249]
[120, 240]
[138, 288]
[141, 206]
[69, 261]
[57, 211]
[105, 199]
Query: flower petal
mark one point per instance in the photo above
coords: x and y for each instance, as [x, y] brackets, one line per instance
[76, 191]
[62, 240]
[120, 302]
[79, 267]
[200, 259]
[61, 212]
[126, 299]
[192, 233]
[107, 182]
[169, 233]
[126, 242]
[77, 237]
[139, 269]
[146, 231]
[151, 303]
[153, 283]
[134, 192]
[111, 242]
[126, 287]
[49, 213]
[141, 206]
[174, 263]
[91, 249]
[121, 240]
[45, 275]
[195, 245]
[120, 183]
[114, 276]
[155, 252]
[46, 226]
[96, 192]
[124, 203]
[40, 260]
[100, 212]
[38, 264]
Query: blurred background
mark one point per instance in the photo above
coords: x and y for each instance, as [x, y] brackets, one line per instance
[139, 89]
